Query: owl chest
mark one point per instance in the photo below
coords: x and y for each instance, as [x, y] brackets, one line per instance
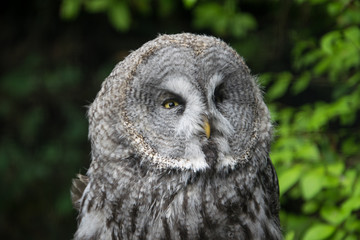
[201, 210]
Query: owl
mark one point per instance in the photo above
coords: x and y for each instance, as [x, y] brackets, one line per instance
[180, 140]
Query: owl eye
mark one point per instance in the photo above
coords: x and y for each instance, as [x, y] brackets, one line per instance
[170, 103]
[219, 94]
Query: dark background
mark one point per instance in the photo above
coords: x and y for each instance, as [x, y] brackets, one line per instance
[55, 55]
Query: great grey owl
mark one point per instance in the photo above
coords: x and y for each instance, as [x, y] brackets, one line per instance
[180, 140]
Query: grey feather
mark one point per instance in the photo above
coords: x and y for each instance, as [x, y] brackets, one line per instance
[77, 188]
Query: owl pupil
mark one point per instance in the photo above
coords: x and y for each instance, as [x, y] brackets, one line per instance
[219, 94]
[170, 104]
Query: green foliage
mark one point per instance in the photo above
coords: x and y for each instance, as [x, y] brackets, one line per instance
[316, 149]
[119, 15]
[118, 12]
[319, 232]
[37, 147]
[70, 9]
[229, 21]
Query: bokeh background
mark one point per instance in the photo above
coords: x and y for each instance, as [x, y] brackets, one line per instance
[55, 54]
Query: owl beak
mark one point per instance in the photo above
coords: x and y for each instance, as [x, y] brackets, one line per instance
[206, 127]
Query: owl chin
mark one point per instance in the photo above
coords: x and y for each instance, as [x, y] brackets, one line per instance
[210, 151]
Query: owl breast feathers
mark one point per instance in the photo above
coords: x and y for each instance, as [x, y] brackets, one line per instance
[180, 140]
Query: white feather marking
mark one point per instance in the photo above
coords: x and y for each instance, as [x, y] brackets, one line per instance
[191, 121]
[214, 81]
[96, 220]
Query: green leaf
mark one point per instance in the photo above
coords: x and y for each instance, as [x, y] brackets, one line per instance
[189, 3]
[351, 204]
[339, 235]
[119, 15]
[352, 225]
[312, 183]
[336, 168]
[265, 79]
[241, 24]
[351, 237]
[301, 83]
[331, 181]
[319, 232]
[333, 214]
[334, 8]
[278, 89]
[352, 34]
[310, 58]
[70, 9]
[95, 6]
[327, 41]
[356, 189]
[307, 151]
[319, 118]
[206, 13]
[290, 235]
[354, 79]
[348, 181]
[289, 177]
[350, 17]
[310, 207]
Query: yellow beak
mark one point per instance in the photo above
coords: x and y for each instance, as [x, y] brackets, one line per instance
[207, 127]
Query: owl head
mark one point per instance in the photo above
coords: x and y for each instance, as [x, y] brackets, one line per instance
[183, 102]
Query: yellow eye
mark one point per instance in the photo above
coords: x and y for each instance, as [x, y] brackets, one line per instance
[170, 104]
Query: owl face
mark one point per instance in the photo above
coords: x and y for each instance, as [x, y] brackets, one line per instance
[187, 103]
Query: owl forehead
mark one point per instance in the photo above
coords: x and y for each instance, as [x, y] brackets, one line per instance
[185, 68]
